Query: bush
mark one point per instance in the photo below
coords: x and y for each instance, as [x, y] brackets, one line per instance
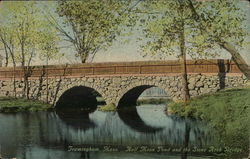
[108, 107]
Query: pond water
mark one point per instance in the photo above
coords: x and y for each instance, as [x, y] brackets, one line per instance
[57, 135]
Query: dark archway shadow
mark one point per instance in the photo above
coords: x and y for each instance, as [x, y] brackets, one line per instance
[132, 119]
[79, 97]
[76, 119]
[129, 99]
[75, 105]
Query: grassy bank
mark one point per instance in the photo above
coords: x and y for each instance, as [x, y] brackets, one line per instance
[231, 102]
[153, 101]
[227, 113]
[108, 108]
[9, 105]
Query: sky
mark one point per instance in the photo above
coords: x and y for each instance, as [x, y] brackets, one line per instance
[130, 51]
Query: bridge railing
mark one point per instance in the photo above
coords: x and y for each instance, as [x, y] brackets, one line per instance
[120, 68]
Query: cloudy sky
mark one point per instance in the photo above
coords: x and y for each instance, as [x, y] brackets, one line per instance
[130, 51]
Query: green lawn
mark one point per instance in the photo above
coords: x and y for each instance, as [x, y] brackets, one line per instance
[153, 101]
[227, 113]
[9, 104]
[230, 103]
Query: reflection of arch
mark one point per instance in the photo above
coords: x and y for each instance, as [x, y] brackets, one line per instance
[129, 95]
[78, 97]
[76, 119]
[131, 118]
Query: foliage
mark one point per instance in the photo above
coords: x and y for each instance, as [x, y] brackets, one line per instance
[108, 107]
[152, 101]
[30, 33]
[8, 104]
[227, 112]
[221, 21]
[26, 34]
[94, 25]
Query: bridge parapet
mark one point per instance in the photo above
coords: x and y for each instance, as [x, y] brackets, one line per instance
[123, 68]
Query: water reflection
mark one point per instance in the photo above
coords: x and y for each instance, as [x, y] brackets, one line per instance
[132, 119]
[76, 119]
[39, 134]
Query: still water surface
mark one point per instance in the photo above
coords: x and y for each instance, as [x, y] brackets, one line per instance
[48, 135]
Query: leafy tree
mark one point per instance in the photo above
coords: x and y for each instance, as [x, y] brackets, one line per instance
[26, 34]
[199, 29]
[221, 24]
[7, 40]
[170, 33]
[94, 25]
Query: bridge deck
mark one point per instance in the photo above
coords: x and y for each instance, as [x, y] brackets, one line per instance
[121, 68]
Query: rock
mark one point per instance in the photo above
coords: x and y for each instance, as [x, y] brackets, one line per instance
[116, 80]
[158, 79]
[175, 89]
[191, 86]
[205, 90]
[90, 80]
[192, 80]
[173, 84]
[199, 84]
[193, 93]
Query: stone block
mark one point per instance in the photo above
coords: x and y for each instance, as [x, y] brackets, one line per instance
[199, 84]
[191, 86]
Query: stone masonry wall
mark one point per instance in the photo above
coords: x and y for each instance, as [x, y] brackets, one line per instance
[112, 88]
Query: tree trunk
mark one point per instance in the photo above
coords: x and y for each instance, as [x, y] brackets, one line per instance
[84, 57]
[11, 51]
[26, 76]
[6, 60]
[237, 58]
[14, 79]
[6, 56]
[185, 93]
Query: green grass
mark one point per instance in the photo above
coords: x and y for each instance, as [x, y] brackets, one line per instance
[152, 101]
[227, 114]
[231, 102]
[108, 107]
[9, 105]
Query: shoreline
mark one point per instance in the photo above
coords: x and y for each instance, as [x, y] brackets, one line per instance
[14, 105]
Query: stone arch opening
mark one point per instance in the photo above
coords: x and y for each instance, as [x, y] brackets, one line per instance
[130, 98]
[79, 97]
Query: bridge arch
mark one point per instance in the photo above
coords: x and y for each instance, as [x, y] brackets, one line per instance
[129, 95]
[78, 96]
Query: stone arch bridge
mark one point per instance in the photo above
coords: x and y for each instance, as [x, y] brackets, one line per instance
[119, 83]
